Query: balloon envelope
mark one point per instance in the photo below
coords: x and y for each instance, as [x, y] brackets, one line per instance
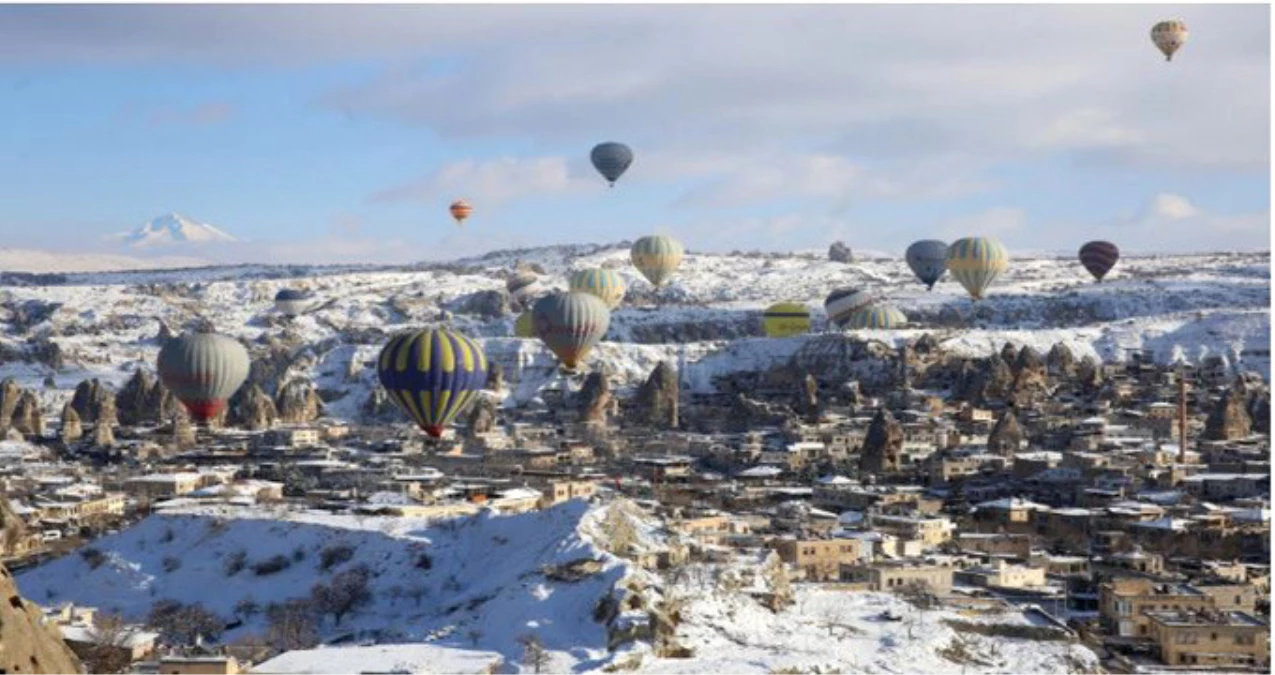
[785, 319]
[844, 302]
[1099, 257]
[290, 302]
[433, 375]
[571, 324]
[1169, 36]
[460, 210]
[606, 284]
[880, 316]
[928, 260]
[657, 257]
[203, 370]
[611, 159]
[976, 262]
[525, 326]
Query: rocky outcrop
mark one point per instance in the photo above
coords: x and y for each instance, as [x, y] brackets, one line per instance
[482, 416]
[103, 434]
[378, 407]
[27, 643]
[71, 430]
[1089, 375]
[595, 397]
[26, 416]
[10, 393]
[29, 313]
[1006, 436]
[1061, 362]
[495, 377]
[982, 380]
[1009, 353]
[133, 402]
[45, 351]
[1228, 420]
[883, 444]
[808, 399]
[1259, 410]
[93, 402]
[1031, 378]
[252, 408]
[298, 402]
[164, 334]
[657, 398]
[162, 404]
[488, 305]
[839, 252]
[183, 431]
[746, 413]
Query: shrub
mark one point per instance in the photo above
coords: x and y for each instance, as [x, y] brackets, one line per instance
[235, 562]
[424, 562]
[93, 557]
[171, 564]
[271, 565]
[335, 555]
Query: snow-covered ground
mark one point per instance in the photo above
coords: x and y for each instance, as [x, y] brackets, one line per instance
[485, 588]
[707, 320]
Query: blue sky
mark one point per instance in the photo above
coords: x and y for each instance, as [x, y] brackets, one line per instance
[341, 133]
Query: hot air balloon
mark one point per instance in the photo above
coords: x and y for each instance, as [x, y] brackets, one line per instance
[203, 370]
[524, 326]
[844, 302]
[880, 316]
[656, 257]
[976, 262]
[606, 284]
[290, 301]
[570, 324]
[433, 375]
[1169, 36]
[521, 284]
[1099, 257]
[460, 210]
[785, 319]
[928, 260]
[611, 160]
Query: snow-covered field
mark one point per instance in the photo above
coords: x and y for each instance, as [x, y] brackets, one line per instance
[707, 320]
[484, 588]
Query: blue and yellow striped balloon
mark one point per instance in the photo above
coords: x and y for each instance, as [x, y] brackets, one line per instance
[976, 262]
[433, 375]
[606, 285]
[880, 316]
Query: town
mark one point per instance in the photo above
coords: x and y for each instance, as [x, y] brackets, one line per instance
[1122, 505]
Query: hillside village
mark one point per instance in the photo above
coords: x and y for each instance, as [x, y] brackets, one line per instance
[1120, 507]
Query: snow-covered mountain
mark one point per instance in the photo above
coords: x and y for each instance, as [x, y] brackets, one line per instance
[173, 229]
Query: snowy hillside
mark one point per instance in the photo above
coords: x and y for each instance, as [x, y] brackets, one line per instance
[484, 586]
[41, 262]
[707, 320]
[172, 229]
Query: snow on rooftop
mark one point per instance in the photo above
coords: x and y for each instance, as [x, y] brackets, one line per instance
[411, 658]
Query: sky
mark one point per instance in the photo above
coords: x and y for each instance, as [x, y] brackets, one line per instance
[340, 133]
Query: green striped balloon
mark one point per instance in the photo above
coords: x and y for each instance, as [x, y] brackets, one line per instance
[880, 316]
[657, 257]
[976, 262]
[606, 285]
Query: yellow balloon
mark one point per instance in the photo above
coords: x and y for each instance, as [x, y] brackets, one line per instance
[786, 319]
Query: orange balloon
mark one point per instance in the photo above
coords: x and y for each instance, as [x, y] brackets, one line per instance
[460, 210]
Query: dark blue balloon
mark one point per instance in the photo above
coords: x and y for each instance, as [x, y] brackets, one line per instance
[611, 160]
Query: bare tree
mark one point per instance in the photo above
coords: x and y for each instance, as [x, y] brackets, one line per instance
[182, 625]
[291, 625]
[347, 592]
[474, 636]
[111, 651]
[776, 575]
[416, 592]
[533, 652]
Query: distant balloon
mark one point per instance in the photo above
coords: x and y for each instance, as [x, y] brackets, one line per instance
[433, 375]
[571, 324]
[844, 302]
[525, 326]
[881, 316]
[1169, 36]
[611, 160]
[203, 370]
[1099, 257]
[290, 302]
[606, 284]
[785, 319]
[522, 284]
[657, 257]
[460, 210]
[928, 260]
[976, 262]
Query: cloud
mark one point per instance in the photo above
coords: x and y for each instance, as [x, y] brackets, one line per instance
[201, 115]
[1170, 206]
[492, 182]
